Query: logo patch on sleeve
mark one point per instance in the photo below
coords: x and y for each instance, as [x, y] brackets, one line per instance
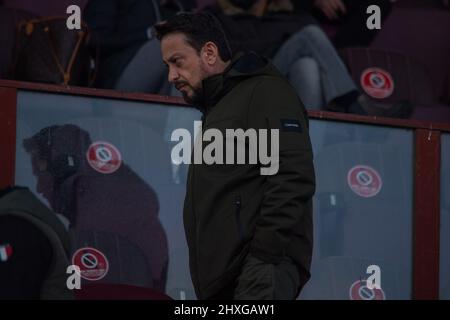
[292, 125]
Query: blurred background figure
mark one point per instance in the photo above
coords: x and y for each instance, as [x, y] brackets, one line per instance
[302, 52]
[297, 34]
[130, 58]
[348, 16]
[116, 212]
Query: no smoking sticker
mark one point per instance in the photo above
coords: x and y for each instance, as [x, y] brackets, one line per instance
[360, 291]
[377, 83]
[364, 181]
[104, 157]
[92, 263]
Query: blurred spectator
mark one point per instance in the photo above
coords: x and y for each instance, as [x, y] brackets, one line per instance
[255, 27]
[349, 16]
[301, 51]
[130, 58]
[118, 203]
[34, 248]
[9, 18]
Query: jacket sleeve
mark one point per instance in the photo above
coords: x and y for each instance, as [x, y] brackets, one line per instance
[288, 192]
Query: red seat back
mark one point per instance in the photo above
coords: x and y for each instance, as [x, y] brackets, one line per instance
[388, 76]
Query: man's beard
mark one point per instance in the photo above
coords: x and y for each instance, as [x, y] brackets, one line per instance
[197, 95]
[198, 98]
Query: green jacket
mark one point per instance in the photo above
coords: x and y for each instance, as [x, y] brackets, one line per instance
[231, 211]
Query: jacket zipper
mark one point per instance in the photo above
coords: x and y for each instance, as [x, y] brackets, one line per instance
[237, 204]
[194, 217]
[194, 214]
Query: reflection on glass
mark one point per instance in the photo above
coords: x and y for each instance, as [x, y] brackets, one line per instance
[103, 201]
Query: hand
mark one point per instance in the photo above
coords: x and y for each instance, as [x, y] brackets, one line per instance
[330, 8]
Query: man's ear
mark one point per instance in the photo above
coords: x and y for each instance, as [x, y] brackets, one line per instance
[210, 53]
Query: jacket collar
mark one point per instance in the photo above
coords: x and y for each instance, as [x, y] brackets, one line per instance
[217, 86]
[242, 65]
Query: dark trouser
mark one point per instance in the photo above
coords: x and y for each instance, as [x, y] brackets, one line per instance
[353, 30]
[263, 281]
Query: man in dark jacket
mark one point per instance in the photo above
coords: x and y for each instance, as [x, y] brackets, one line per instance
[249, 235]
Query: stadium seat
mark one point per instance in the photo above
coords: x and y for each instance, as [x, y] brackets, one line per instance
[419, 29]
[411, 80]
[390, 77]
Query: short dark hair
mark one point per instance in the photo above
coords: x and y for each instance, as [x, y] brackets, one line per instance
[199, 28]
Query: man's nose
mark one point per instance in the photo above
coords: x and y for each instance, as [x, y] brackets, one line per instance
[173, 75]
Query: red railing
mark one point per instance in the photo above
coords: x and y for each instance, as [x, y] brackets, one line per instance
[426, 235]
